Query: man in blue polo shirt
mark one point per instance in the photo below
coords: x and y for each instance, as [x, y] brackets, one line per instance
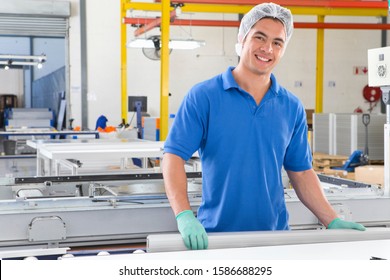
[246, 128]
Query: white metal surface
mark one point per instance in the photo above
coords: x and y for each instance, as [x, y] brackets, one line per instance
[53, 154]
[174, 242]
[93, 150]
[351, 250]
[379, 67]
[33, 252]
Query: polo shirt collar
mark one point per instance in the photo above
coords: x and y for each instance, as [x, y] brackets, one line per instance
[229, 81]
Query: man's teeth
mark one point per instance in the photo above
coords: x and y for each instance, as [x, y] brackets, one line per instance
[263, 58]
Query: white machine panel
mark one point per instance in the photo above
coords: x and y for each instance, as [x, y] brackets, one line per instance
[379, 67]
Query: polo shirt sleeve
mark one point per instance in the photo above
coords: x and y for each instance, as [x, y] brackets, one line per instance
[298, 156]
[189, 126]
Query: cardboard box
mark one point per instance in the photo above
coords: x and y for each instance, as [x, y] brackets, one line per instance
[372, 174]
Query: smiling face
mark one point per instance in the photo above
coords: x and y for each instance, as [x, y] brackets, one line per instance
[263, 47]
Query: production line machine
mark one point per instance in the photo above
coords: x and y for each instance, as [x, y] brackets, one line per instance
[58, 214]
[55, 215]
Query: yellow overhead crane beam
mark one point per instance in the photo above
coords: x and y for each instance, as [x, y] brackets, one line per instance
[164, 7]
[242, 9]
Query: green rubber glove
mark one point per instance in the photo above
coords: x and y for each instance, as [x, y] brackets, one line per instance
[192, 231]
[341, 224]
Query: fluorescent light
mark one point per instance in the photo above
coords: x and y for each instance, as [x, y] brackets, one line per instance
[178, 44]
[23, 57]
[22, 60]
[140, 43]
[186, 44]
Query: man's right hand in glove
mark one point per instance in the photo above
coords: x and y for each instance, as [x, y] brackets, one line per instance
[192, 231]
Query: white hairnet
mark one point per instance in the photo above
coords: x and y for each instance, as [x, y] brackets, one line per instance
[264, 10]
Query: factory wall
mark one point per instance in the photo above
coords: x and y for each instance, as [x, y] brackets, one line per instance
[345, 51]
[18, 81]
[12, 80]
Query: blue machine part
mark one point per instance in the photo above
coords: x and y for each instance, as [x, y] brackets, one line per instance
[101, 122]
[353, 161]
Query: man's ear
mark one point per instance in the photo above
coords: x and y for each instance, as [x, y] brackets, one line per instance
[283, 51]
[238, 48]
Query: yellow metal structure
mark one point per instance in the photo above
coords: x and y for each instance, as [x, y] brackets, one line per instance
[124, 104]
[164, 83]
[164, 8]
[242, 9]
[320, 67]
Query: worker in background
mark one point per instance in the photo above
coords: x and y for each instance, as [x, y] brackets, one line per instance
[246, 127]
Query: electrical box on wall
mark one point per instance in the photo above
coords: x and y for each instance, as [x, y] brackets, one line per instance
[379, 67]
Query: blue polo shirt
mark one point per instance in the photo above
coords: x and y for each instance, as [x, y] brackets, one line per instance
[242, 147]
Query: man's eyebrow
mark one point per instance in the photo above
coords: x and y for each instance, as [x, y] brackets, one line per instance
[266, 36]
[260, 33]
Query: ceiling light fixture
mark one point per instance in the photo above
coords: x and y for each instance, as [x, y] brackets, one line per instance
[178, 44]
[22, 60]
[7, 65]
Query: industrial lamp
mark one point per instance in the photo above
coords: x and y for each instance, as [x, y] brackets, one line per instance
[179, 44]
[22, 60]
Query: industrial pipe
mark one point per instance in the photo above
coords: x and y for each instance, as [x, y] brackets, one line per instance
[152, 24]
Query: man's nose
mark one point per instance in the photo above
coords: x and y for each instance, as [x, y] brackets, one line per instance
[267, 46]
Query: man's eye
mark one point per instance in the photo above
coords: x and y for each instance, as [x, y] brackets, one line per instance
[278, 44]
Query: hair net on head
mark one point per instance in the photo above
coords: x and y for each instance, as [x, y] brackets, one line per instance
[264, 10]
